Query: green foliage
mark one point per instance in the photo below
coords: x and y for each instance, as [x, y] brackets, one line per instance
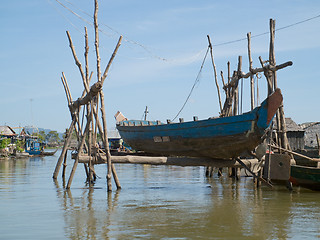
[19, 145]
[52, 136]
[41, 136]
[4, 142]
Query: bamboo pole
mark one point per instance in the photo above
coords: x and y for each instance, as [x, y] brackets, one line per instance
[89, 151]
[294, 153]
[318, 144]
[250, 69]
[64, 149]
[105, 74]
[215, 73]
[236, 89]
[65, 89]
[106, 144]
[86, 54]
[229, 77]
[280, 113]
[272, 62]
[77, 62]
[102, 109]
[96, 42]
[68, 93]
[80, 147]
[64, 165]
[223, 82]
[267, 75]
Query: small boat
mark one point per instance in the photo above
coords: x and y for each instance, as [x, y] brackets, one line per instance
[33, 147]
[216, 138]
[308, 177]
[51, 153]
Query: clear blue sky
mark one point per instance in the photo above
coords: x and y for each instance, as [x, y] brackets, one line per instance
[34, 51]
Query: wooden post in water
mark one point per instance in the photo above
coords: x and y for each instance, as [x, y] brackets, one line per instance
[318, 144]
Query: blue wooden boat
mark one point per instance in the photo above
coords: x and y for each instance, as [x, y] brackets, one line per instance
[216, 138]
[32, 146]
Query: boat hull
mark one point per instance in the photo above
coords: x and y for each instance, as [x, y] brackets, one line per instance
[218, 138]
[308, 177]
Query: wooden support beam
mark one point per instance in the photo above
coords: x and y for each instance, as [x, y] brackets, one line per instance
[268, 76]
[94, 90]
[234, 80]
[64, 165]
[318, 144]
[252, 173]
[105, 74]
[177, 161]
[64, 149]
[96, 42]
[79, 148]
[294, 153]
[106, 144]
[86, 53]
[215, 73]
[78, 62]
[250, 70]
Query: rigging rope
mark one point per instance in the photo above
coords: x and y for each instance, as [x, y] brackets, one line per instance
[196, 81]
[265, 33]
[126, 39]
[146, 48]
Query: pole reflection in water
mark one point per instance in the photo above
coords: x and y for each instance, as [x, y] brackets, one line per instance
[84, 217]
[155, 202]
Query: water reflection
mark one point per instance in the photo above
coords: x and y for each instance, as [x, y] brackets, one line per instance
[86, 217]
[179, 203]
[156, 202]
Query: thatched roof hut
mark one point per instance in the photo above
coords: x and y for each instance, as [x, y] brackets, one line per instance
[6, 131]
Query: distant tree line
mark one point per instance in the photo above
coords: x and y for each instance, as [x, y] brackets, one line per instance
[51, 137]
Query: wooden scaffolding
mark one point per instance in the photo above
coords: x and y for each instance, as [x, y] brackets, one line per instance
[91, 100]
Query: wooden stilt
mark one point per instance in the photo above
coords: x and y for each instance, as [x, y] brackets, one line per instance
[318, 143]
[106, 144]
[80, 147]
[64, 165]
[208, 171]
[252, 173]
[64, 149]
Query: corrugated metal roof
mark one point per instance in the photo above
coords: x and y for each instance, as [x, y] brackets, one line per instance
[113, 134]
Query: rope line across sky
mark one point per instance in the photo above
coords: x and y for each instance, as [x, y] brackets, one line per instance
[116, 33]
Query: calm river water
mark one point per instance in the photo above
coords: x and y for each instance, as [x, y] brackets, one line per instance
[155, 202]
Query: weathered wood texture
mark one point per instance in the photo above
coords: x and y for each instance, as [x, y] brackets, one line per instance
[90, 100]
[177, 161]
[215, 73]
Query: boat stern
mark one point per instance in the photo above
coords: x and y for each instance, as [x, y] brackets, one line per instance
[269, 108]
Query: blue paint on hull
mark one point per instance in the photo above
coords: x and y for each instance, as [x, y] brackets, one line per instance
[214, 138]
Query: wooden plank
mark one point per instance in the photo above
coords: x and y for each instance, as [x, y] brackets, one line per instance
[294, 153]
